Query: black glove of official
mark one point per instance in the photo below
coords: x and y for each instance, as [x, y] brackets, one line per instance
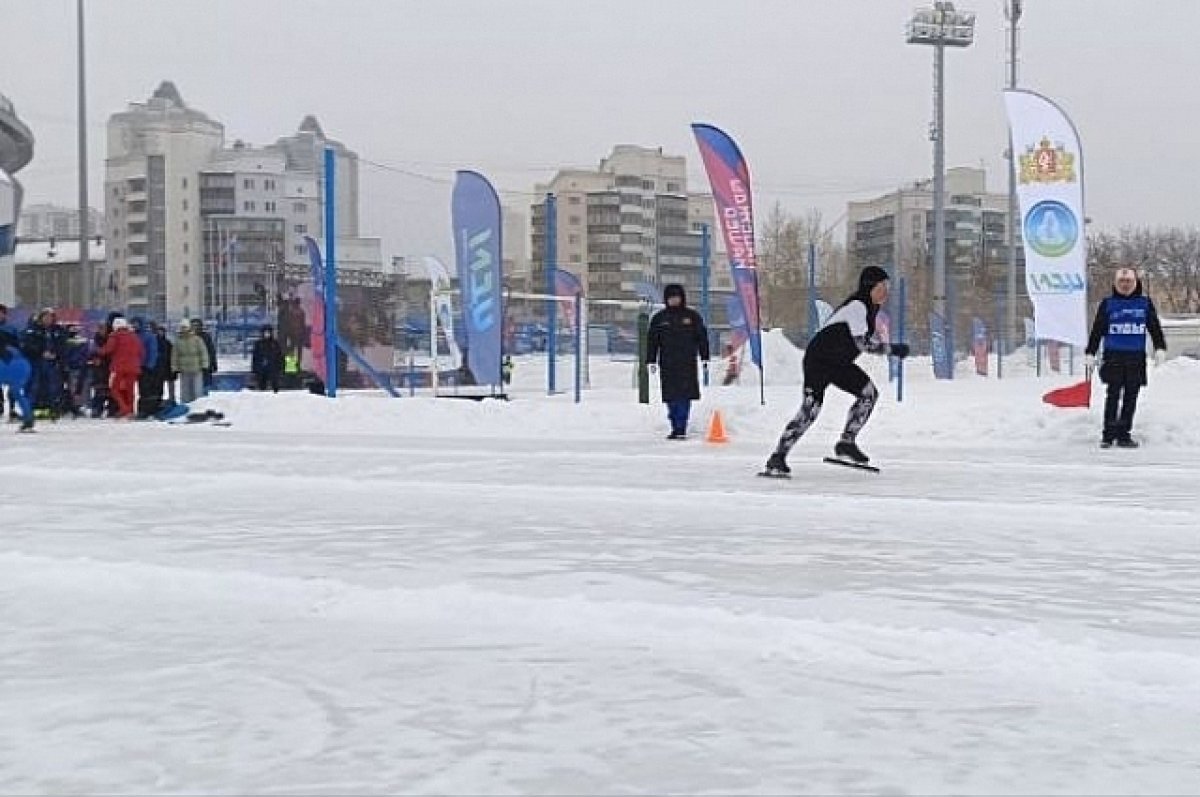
[900, 350]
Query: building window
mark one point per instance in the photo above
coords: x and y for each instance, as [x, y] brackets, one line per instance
[298, 249]
[185, 226]
[572, 200]
[674, 188]
[248, 206]
[270, 206]
[576, 258]
[301, 229]
[186, 289]
[574, 220]
[187, 267]
[186, 248]
[573, 238]
[299, 207]
[248, 183]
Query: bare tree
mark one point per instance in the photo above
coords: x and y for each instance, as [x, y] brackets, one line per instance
[1168, 260]
[783, 259]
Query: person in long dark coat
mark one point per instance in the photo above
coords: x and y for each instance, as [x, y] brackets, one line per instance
[677, 338]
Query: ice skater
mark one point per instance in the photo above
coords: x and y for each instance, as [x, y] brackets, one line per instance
[1122, 321]
[829, 360]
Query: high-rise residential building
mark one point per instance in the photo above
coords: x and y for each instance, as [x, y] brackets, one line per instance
[201, 228]
[304, 158]
[628, 226]
[156, 151]
[896, 230]
[46, 221]
[515, 243]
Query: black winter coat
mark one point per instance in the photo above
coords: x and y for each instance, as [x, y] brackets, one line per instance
[677, 336]
[266, 357]
[41, 340]
[212, 351]
[162, 368]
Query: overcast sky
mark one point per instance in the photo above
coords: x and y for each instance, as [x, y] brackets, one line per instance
[827, 101]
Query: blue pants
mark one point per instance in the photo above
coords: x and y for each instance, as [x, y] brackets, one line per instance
[15, 375]
[677, 413]
[46, 385]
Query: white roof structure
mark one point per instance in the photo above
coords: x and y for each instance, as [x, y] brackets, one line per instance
[41, 253]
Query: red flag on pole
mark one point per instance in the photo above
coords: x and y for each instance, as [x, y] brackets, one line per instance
[1072, 396]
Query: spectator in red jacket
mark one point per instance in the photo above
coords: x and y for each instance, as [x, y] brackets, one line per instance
[124, 352]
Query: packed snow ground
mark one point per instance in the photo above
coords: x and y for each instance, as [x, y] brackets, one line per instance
[437, 596]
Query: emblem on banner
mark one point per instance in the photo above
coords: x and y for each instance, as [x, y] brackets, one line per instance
[1051, 229]
[1047, 163]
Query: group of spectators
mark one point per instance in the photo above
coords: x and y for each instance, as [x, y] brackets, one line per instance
[121, 371]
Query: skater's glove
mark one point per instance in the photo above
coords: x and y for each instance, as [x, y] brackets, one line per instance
[1089, 362]
[1160, 357]
[900, 350]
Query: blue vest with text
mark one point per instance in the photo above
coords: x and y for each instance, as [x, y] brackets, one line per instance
[1126, 323]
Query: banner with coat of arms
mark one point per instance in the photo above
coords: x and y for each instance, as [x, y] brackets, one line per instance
[1049, 164]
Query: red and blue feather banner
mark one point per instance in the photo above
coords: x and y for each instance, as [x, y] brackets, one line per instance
[729, 176]
[316, 311]
[567, 284]
[737, 322]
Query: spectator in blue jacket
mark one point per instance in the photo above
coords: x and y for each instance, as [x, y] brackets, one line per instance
[150, 383]
[44, 345]
[14, 371]
[12, 334]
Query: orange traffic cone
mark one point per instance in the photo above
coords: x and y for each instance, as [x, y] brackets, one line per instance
[716, 429]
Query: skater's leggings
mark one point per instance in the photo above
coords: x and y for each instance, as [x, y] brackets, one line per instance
[817, 379]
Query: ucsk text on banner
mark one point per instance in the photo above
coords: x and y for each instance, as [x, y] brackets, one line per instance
[475, 211]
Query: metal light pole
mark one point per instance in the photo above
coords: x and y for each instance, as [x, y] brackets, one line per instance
[1012, 11]
[85, 261]
[940, 27]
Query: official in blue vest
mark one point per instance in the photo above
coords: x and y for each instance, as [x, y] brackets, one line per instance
[1122, 322]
